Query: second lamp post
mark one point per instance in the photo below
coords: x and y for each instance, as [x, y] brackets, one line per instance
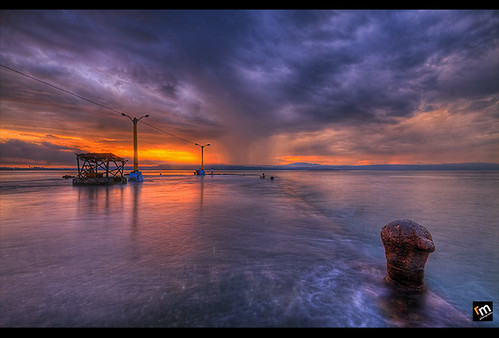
[202, 156]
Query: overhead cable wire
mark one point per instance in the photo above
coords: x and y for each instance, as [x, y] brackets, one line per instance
[61, 89]
[180, 138]
[91, 101]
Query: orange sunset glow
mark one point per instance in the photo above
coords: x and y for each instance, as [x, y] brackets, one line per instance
[70, 144]
[262, 87]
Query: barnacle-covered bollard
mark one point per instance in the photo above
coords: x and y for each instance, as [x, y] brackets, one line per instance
[407, 246]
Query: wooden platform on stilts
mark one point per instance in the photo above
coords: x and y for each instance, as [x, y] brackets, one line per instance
[100, 169]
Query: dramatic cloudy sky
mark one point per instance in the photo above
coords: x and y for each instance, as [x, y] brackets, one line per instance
[261, 86]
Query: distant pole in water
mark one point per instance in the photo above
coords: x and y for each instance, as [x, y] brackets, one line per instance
[202, 155]
[135, 175]
[407, 247]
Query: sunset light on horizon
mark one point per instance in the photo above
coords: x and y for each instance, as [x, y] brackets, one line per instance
[263, 87]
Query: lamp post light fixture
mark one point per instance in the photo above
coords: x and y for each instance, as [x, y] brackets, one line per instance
[135, 175]
[201, 172]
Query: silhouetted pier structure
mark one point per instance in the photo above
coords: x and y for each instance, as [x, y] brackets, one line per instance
[100, 169]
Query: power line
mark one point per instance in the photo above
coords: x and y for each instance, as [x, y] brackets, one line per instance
[180, 138]
[91, 101]
[61, 89]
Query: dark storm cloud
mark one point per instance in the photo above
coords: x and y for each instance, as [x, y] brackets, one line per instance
[16, 151]
[392, 63]
[240, 77]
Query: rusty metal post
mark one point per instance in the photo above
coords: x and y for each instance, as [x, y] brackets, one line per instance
[107, 167]
[407, 247]
[78, 163]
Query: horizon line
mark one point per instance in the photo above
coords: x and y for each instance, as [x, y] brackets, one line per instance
[289, 166]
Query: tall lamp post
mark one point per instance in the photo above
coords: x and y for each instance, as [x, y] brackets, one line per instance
[202, 157]
[135, 175]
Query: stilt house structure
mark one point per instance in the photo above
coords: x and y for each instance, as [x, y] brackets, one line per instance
[100, 169]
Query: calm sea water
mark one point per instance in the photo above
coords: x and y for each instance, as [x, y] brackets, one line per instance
[303, 249]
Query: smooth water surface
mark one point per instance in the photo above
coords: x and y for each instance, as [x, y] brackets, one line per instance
[236, 250]
[459, 208]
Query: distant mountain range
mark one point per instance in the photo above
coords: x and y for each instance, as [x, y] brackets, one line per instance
[442, 166]
[316, 166]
